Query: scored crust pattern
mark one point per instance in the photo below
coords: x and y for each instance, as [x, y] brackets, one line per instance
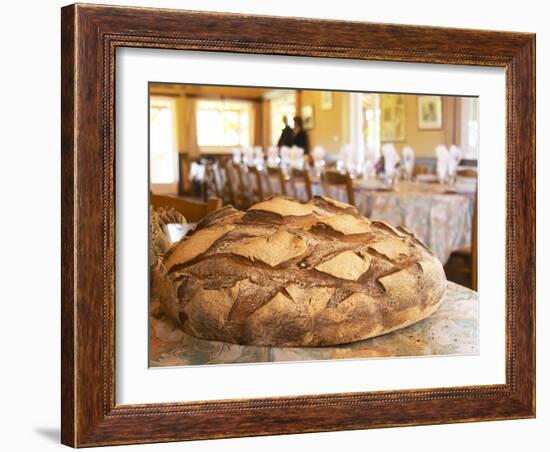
[286, 273]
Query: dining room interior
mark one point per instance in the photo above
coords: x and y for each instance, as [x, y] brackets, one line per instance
[407, 159]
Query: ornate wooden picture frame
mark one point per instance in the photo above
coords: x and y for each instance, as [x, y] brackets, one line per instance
[90, 37]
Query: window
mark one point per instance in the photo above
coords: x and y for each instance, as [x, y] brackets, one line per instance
[364, 126]
[163, 150]
[469, 141]
[223, 123]
[371, 125]
[282, 104]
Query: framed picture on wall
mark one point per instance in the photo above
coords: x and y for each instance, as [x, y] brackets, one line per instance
[392, 117]
[260, 279]
[326, 100]
[430, 112]
[308, 118]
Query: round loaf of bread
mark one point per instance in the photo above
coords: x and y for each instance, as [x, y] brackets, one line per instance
[285, 273]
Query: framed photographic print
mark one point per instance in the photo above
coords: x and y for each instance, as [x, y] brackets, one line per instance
[199, 246]
[392, 121]
[307, 117]
[264, 326]
[430, 112]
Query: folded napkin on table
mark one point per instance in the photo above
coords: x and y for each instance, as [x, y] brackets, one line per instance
[285, 155]
[318, 153]
[369, 171]
[391, 159]
[196, 171]
[273, 156]
[346, 155]
[297, 157]
[408, 159]
[455, 156]
[442, 155]
[248, 155]
[236, 155]
[258, 156]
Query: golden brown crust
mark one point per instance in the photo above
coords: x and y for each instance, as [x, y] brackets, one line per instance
[291, 274]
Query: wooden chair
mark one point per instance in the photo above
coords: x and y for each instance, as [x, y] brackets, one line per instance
[338, 181]
[231, 183]
[237, 179]
[255, 184]
[467, 172]
[278, 176]
[210, 185]
[184, 181]
[302, 175]
[421, 169]
[193, 211]
[462, 264]
[241, 179]
[222, 181]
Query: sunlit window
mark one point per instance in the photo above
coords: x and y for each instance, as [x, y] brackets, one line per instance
[470, 127]
[163, 150]
[223, 123]
[371, 125]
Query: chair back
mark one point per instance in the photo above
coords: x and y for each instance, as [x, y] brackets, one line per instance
[338, 181]
[467, 172]
[231, 182]
[211, 184]
[184, 168]
[193, 211]
[255, 185]
[299, 176]
[240, 185]
[421, 169]
[276, 177]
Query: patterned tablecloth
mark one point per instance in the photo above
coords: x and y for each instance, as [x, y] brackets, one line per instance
[451, 330]
[441, 219]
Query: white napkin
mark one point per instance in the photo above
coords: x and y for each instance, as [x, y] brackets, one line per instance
[248, 155]
[442, 155]
[297, 157]
[273, 156]
[197, 171]
[285, 155]
[455, 156]
[408, 159]
[391, 158]
[258, 156]
[318, 153]
[372, 153]
[369, 171]
[236, 155]
[346, 155]
[349, 160]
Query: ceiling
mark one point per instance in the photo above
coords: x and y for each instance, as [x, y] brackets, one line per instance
[208, 90]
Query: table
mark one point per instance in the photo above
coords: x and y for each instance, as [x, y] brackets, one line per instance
[451, 330]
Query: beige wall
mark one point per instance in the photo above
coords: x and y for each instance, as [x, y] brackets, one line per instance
[331, 126]
[422, 141]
